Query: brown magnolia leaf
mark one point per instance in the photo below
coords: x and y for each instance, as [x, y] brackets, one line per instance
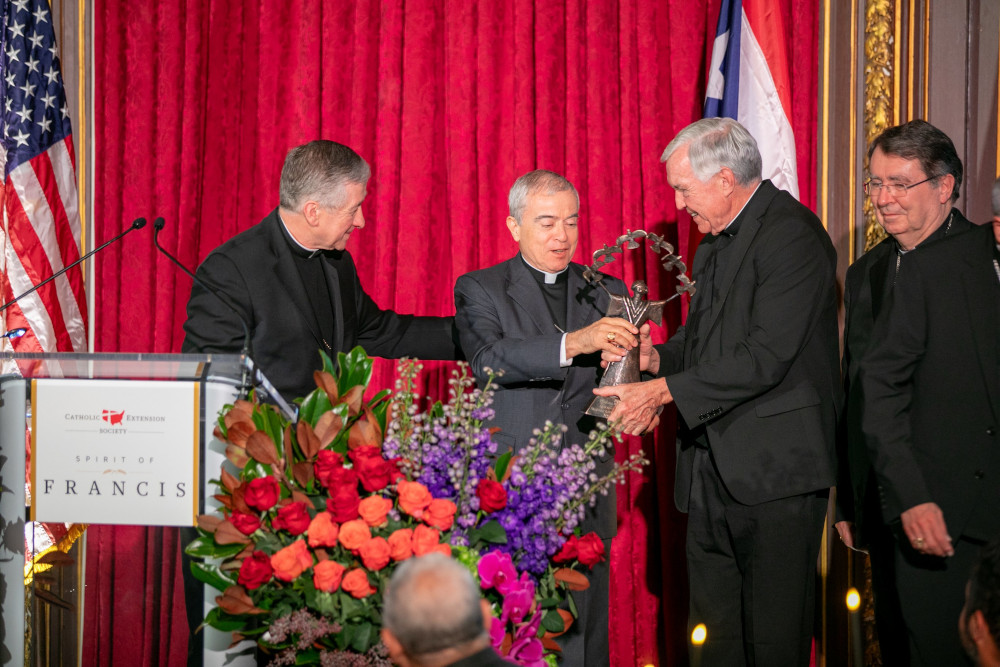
[238, 502]
[227, 533]
[353, 398]
[227, 501]
[509, 470]
[327, 383]
[237, 638]
[361, 434]
[321, 554]
[217, 432]
[208, 522]
[328, 428]
[299, 497]
[508, 639]
[240, 431]
[56, 557]
[261, 448]
[229, 482]
[308, 442]
[243, 407]
[237, 455]
[236, 601]
[247, 550]
[286, 442]
[302, 472]
[574, 580]
[567, 619]
[551, 644]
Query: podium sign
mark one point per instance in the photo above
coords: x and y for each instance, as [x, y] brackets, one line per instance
[127, 454]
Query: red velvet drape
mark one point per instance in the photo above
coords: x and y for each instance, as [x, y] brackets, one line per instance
[449, 100]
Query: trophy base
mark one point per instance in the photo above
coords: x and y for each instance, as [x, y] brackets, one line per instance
[601, 406]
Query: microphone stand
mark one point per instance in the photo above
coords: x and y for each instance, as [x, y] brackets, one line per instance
[246, 352]
[138, 223]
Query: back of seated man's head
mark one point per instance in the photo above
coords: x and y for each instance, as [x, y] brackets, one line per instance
[433, 613]
[979, 624]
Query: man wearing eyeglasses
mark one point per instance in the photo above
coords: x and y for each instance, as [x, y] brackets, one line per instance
[914, 179]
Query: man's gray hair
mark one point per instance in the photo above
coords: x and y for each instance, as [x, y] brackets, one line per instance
[318, 171]
[714, 143]
[996, 198]
[432, 604]
[537, 181]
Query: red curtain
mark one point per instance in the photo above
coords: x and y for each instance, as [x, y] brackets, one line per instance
[197, 102]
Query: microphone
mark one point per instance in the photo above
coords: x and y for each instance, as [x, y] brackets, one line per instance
[138, 223]
[247, 351]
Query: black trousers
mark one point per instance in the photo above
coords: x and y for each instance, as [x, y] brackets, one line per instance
[752, 571]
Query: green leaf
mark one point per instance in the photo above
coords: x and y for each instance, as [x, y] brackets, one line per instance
[220, 620]
[502, 462]
[437, 411]
[549, 603]
[309, 656]
[552, 621]
[327, 363]
[325, 603]
[350, 608]
[364, 634]
[571, 603]
[491, 532]
[355, 369]
[314, 406]
[205, 547]
[213, 576]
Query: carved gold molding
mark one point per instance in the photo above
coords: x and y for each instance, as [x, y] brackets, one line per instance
[880, 72]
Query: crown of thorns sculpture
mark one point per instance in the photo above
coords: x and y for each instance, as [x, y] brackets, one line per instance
[606, 255]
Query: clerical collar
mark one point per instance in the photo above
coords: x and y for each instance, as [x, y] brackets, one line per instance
[544, 276]
[734, 225]
[297, 248]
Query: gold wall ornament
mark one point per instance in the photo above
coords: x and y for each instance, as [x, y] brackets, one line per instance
[880, 71]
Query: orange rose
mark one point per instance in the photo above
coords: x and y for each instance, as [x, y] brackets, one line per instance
[400, 544]
[444, 549]
[425, 539]
[327, 575]
[291, 561]
[356, 583]
[440, 513]
[374, 509]
[354, 534]
[413, 498]
[323, 531]
[375, 553]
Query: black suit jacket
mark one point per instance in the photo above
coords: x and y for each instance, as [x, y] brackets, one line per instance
[932, 386]
[256, 272]
[866, 288]
[763, 382]
[504, 323]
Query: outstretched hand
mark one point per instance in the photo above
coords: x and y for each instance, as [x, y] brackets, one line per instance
[608, 334]
[639, 405]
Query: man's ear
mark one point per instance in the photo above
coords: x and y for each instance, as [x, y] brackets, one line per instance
[945, 187]
[484, 604]
[515, 229]
[396, 653]
[978, 629]
[727, 180]
[310, 211]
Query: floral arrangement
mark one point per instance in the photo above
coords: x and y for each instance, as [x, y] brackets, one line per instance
[315, 515]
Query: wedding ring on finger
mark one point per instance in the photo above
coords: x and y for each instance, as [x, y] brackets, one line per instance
[611, 337]
[918, 542]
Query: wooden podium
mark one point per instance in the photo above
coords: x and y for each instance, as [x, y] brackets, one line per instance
[97, 424]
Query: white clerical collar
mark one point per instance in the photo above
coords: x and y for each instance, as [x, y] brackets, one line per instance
[550, 278]
[743, 207]
[292, 236]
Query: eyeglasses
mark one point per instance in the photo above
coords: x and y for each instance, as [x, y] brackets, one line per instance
[895, 190]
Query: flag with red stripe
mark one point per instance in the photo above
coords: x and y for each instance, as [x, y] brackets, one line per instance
[41, 222]
[749, 81]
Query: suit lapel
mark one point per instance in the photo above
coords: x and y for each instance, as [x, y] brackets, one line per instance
[289, 279]
[586, 304]
[338, 299]
[524, 291]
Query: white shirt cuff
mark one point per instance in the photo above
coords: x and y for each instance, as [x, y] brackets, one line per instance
[563, 361]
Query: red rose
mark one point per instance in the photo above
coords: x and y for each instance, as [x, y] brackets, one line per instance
[293, 517]
[245, 523]
[262, 493]
[327, 462]
[395, 474]
[344, 499]
[356, 583]
[373, 470]
[492, 496]
[255, 570]
[590, 549]
[375, 553]
[569, 550]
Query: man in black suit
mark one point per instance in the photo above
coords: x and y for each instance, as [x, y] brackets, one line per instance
[296, 286]
[914, 179]
[755, 379]
[535, 318]
[930, 419]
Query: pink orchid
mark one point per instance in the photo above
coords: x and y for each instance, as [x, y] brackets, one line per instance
[496, 570]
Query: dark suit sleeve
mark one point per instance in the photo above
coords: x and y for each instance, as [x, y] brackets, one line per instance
[887, 375]
[793, 277]
[487, 345]
[210, 325]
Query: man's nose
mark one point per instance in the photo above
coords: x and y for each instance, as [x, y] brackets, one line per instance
[678, 200]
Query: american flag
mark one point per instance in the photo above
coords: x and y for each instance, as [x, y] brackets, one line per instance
[41, 221]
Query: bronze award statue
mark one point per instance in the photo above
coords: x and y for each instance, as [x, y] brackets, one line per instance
[637, 309]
